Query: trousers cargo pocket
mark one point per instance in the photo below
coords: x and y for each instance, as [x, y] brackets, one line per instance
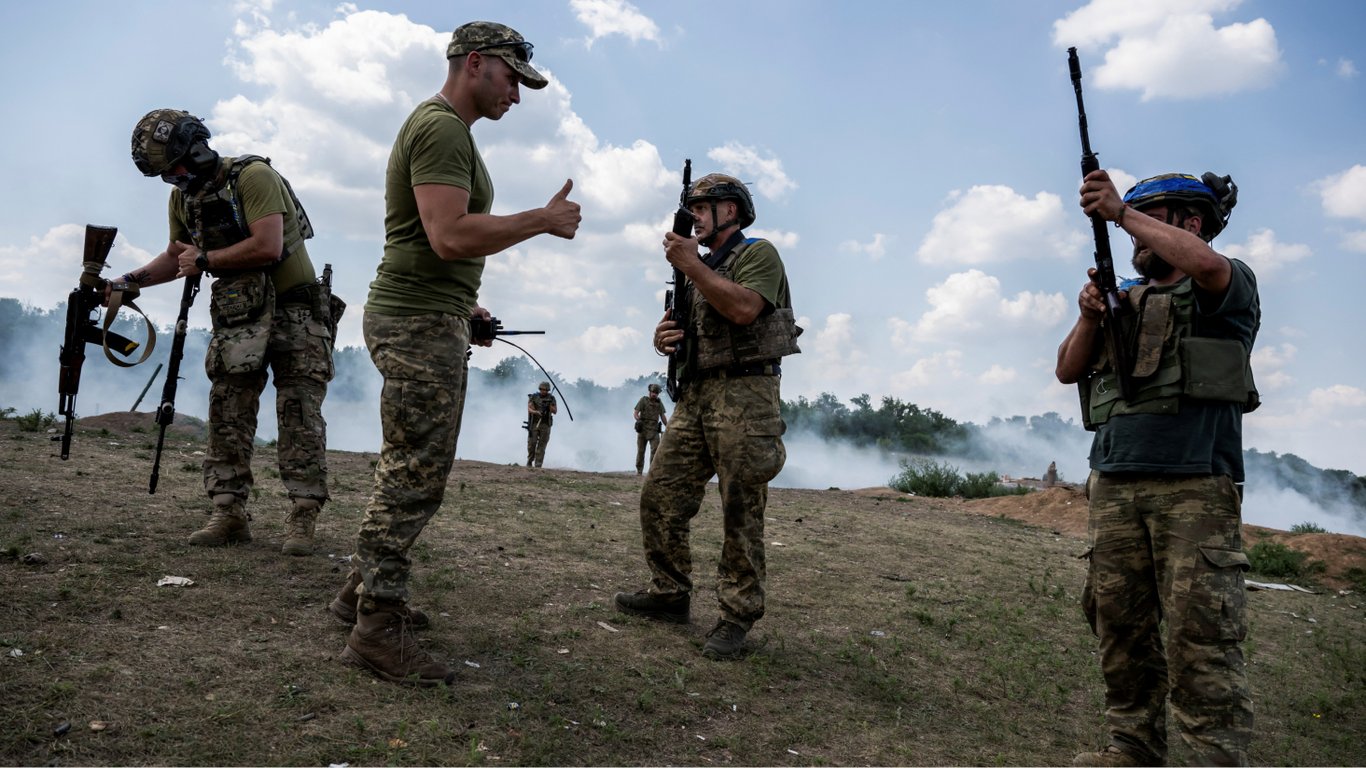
[1218, 601]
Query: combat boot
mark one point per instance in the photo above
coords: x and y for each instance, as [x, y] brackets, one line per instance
[301, 521]
[343, 606]
[670, 608]
[382, 642]
[227, 524]
[1110, 757]
[725, 641]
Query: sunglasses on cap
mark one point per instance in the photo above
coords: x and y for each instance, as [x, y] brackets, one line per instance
[520, 48]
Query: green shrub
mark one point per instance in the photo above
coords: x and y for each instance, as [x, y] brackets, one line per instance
[924, 477]
[35, 421]
[1270, 558]
[1307, 527]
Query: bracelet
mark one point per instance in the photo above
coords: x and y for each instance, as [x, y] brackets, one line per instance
[1119, 220]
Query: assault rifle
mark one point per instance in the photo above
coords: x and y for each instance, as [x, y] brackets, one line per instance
[677, 303]
[1116, 307]
[166, 411]
[81, 328]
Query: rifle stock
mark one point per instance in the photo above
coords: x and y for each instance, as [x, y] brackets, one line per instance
[676, 301]
[81, 328]
[1116, 307]
[166, 411]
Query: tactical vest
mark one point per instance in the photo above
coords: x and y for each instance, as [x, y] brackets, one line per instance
[721, 343]
[542, 404]
[215, 216]
[1173, 362]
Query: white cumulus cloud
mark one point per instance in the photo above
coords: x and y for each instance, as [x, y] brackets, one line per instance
[1344, 194]
[875, 248]
[971, 301]
[1172, 49]
[993, 224]
[1265, 254]
[755, 170]
[614, 17]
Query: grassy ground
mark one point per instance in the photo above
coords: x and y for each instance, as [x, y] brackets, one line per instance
[898, 632]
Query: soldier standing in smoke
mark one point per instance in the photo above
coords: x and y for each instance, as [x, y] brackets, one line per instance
[540, 415]
[650, 417]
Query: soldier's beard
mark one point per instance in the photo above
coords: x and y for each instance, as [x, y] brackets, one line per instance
[1150, 265]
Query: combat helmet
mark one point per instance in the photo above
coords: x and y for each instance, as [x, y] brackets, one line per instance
[1212, 195]
[715, 187]
[164, 138]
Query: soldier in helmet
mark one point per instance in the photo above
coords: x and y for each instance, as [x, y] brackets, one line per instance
[726, 423]
[1167, 468]
[650, 419]
[438, 232]
[540, 414]
[237, 219]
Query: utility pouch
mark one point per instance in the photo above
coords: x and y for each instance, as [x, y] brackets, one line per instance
[241, 298]
[640, 426]
[335, 308]
[1217, 369]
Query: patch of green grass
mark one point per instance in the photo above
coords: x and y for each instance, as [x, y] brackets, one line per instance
[1270, 558]
[1307, 527]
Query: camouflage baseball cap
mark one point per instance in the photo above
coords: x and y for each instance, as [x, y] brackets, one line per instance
[493, 39]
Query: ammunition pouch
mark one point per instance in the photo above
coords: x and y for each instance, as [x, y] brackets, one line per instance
[240, 298]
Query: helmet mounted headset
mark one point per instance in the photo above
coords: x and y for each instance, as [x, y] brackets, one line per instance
[1211, 195]
[167, 138]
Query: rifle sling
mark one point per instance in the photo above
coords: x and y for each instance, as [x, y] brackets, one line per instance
[126, 347]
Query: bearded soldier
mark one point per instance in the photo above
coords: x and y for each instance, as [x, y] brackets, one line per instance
[1166, 472]
[727, 422]
[649, 416]
[237, 219]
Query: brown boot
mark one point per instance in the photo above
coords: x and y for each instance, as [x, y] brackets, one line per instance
[343, 606]
[299, 537]
[227, 524]
[382, 642]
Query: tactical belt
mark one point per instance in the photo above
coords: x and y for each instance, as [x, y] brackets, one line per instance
[771, 368]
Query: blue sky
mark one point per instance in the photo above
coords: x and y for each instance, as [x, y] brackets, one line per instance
[916, 163]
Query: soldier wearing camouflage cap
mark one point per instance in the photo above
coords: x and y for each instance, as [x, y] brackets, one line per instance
[650, 419]
[1165, 490]
[540, 415]
[238, 219]
[438, 232]
[726, 422]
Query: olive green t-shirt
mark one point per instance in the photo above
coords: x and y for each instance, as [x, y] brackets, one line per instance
[260, 193]
[434, 146]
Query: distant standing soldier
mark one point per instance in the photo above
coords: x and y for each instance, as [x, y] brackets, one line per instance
[438, 232]
[727, 422]
[1050, 477]
[540, 415]
[237, 218]
[650, 417]
[1165, 528]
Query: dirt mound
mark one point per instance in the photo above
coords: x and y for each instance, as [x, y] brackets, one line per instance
[124, 422]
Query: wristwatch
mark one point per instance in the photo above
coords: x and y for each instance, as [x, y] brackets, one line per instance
[201, 262]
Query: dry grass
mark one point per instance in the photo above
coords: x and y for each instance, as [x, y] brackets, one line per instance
[898, 632]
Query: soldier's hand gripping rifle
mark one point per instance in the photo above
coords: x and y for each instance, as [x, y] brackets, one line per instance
[166, 411]
[677, 303]
[1115, 306]
[82, 329]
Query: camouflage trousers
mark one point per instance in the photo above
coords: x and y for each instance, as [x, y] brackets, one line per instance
[730, 429]
[643, 439]
[298, 354]
[422, 359]
[537, 436]
[1170, 548]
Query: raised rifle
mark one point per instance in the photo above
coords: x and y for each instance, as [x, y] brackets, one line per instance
[677, 303]
[82, 329]
[166, 411]
[1116, 307]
